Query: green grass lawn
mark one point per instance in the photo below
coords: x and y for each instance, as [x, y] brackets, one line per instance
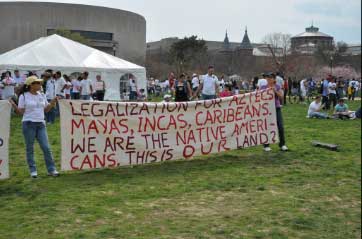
[305, 193]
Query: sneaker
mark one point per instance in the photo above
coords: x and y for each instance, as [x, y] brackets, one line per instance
[55, 173]
[34, 174]
[284, 148]
[267, 149]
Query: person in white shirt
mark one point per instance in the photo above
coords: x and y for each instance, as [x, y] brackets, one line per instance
[50, 95]
[8, 86]
[209, 86]
[195, 82]
[245, 85]
[357, 87]
[353, 83]
[151, 86]
[332, 88]
[68, 86]
[19, 80]
[76, 88]
[32, 105]
[303, 89]
[236, 91]
[315, 108]
[280, 80]
[86, 88]
[158, 88]
[166, 87]
[132, 89]
[60, 84]
[100, 88]
[262, 83]
[221, 83]
[157, 82]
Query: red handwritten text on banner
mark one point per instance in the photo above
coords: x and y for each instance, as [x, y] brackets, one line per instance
[101, 135]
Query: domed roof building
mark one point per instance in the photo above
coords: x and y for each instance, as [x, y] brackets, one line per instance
[311, 39]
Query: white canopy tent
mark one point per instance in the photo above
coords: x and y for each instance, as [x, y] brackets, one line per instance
[61, 54]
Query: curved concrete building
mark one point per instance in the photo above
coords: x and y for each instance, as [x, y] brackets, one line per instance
[114, 31]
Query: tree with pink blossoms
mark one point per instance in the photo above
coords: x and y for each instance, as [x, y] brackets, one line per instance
[345, 72]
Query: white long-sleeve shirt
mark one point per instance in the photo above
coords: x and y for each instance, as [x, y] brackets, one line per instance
[50, 89]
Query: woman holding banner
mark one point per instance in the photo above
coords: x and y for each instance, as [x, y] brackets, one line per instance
[278, 99]
[32, 105]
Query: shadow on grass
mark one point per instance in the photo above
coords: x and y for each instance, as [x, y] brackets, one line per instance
[134, 175]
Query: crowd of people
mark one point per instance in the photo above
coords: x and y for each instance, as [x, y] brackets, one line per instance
[340, 110]
[54, 85]
[332, 96]
[36, 99]
[303, 91]
[193, 87]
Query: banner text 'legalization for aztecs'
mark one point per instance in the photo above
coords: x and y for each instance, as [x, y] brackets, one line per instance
[5, 109]
[100, 134]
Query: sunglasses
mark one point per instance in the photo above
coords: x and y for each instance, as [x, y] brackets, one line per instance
[36, 83]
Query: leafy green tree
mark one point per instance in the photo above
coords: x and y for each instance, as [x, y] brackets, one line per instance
[187, 53]
[71, 35]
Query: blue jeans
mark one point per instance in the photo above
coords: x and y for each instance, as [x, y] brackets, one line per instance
[133, 95]
[32, 131]
[85, 97]
[280, 125]
[318, 115]
[50, 116]
[208, 97]
[75, 96]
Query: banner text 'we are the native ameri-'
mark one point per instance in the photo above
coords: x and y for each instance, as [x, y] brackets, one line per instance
[109, 134]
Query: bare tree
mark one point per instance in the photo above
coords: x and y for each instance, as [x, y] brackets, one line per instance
[279, 46]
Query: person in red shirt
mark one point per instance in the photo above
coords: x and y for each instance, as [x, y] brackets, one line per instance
[171, 80]
[227, 92]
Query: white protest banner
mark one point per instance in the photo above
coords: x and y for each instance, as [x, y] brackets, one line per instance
[108, 134]
[5, 110]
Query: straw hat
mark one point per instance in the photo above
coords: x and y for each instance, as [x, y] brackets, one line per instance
[30, 80]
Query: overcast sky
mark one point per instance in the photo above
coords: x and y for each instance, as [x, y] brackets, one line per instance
[209, 19]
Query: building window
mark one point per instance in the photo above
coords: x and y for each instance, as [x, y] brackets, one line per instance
[102, 36]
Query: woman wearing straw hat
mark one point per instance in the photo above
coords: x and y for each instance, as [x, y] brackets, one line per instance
[32, 105]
